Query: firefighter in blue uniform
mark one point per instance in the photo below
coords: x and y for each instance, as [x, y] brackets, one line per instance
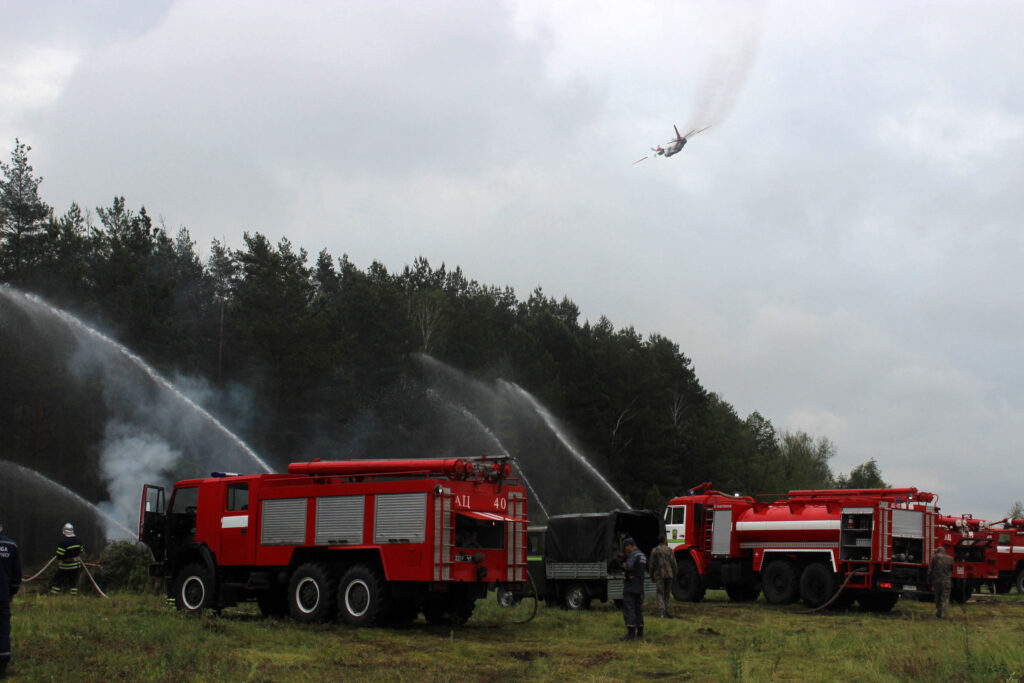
[10, 582]
[69, 556]
[635, 567]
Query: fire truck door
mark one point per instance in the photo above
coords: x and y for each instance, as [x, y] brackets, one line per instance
[236, 537]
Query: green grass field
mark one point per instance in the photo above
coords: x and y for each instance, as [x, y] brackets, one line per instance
[135, 637]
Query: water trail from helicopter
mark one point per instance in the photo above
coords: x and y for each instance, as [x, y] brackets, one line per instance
[729, 67]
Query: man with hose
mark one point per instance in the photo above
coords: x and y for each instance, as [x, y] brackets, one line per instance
[69, 552]
[10, 582]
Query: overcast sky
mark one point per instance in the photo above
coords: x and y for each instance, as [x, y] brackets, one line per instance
[840, 251]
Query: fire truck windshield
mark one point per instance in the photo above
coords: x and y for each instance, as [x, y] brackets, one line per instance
[185, 500]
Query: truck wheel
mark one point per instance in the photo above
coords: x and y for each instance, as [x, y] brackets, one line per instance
[576, 597]
[311, 594]
[1020, 581]
[817, 584]
[688, 586]
[193, 589]
[779, 582]
[362, 596]
[508, 598]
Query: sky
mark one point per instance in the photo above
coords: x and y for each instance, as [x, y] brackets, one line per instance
[840, 251]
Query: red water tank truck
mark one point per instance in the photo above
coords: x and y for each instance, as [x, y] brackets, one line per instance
[371, 541]
[875, 544]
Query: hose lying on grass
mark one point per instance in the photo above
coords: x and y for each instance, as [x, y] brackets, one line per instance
[85, 566]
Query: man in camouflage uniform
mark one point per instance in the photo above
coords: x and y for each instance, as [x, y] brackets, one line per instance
[663, 571]
[940, 576]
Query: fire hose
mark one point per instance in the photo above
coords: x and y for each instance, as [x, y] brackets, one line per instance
[38, 573]
[85, 566]
[834, 597]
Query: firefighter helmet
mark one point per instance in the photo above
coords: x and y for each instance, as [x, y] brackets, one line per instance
[69, 530]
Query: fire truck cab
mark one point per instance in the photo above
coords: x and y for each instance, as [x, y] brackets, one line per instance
[369, 541]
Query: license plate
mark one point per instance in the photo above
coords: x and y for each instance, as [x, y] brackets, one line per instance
[463, 557]
[910, 588]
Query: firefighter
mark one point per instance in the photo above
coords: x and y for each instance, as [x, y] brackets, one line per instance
[634, 567]
[10, 582]
[69, 552]
[663, 571]
[940, 576]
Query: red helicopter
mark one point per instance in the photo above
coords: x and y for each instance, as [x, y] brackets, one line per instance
[673, 146]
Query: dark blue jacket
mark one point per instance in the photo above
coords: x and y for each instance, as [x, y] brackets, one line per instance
[636, 567]
[69, 550]
[10, 569]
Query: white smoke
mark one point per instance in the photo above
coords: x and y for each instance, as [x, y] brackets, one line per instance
[132, 457]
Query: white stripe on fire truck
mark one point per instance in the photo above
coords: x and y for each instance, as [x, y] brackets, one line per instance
[235, 522]
[803, 525]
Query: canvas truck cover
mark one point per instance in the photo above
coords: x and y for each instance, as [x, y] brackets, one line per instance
[595, 537]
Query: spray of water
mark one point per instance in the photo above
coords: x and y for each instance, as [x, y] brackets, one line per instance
[728, 67]
[31, 475]
[559, 432]
[36, 303]
[465, 412]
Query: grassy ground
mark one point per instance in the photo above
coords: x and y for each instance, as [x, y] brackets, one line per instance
[135, 637]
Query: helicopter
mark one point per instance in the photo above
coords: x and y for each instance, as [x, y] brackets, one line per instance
[673, 146]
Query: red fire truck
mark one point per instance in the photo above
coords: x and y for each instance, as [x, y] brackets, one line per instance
[370, 541]
[873, 543]
[1003, 544]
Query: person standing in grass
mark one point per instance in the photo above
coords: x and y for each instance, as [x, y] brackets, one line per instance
[69, 555]
[663, 571]
[10, 582]
[940, 573]
[635, 568]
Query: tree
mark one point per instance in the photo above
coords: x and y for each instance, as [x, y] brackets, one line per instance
[863, 476]
[1016, 510]
[22, 212]
[805, 460]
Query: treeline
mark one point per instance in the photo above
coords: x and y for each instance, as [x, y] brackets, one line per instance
[319, 342]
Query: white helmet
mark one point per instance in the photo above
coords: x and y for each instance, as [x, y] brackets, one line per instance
[69, 530]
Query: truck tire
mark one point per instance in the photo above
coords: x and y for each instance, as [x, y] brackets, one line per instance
[311, 594]
[576, 597]
[1020, 581]
[688, 586]
[779, 582]
[818, 584]
[193, 589]
[363, 596]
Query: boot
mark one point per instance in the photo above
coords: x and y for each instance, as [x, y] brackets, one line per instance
[639, 632]
[630, 634]
[3, 669]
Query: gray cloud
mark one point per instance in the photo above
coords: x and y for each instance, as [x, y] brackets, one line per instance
[840, 253]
